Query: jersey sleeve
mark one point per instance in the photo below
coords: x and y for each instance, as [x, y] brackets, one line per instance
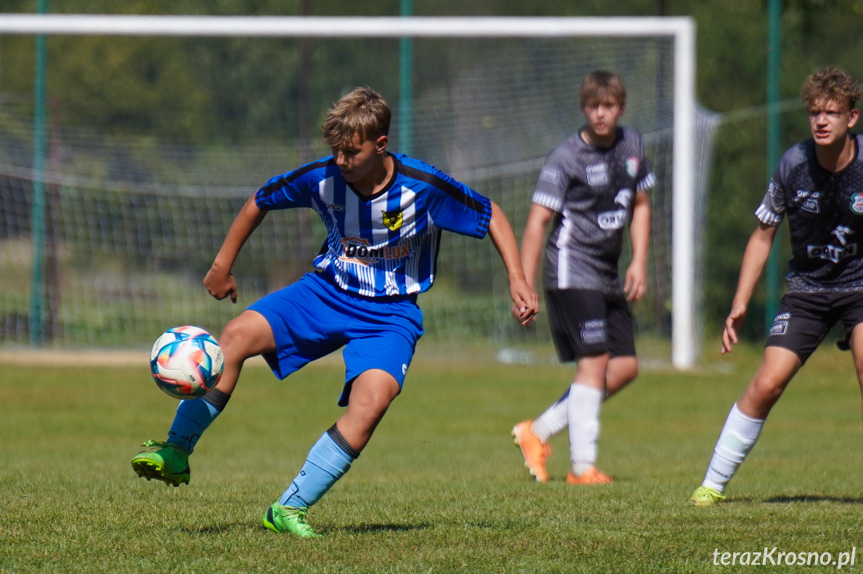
[451, 205]
[553, 180]
[292, 189]
[772, 207]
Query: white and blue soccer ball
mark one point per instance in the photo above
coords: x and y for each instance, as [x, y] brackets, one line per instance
[186, 362]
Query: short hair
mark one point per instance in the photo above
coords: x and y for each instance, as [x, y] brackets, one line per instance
[601, 86]
[361, 111]
[831, 84]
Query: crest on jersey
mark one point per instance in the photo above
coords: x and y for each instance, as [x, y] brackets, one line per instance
[393, 219]
[857, 203]
[632, 165]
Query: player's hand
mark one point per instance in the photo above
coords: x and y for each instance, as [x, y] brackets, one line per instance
[635, 283]
[525, 302]
[220, 284]
[732, 324]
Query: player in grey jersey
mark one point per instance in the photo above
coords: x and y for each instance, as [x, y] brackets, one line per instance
[818, 186]
[591, 187]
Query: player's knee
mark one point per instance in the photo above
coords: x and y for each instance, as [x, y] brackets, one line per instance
[766, 389]
[235, 340]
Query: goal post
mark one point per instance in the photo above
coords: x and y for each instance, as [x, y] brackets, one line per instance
[680, 30]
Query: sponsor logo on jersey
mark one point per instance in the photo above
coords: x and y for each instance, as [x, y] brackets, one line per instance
[808, 200]
[772, 188]
[358, 250]
[335, 207]
[857, 203]
[593, 332]
[597, 174]
[831, 252]
[392, 219]
[616, 219]
[550, 175]
[632, 165]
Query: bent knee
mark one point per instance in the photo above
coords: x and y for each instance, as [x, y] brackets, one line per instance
[246, 336]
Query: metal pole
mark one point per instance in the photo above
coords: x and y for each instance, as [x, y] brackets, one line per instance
[37, 214]
[406, 86]
[771, 301]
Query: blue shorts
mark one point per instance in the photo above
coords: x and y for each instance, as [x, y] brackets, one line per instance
[314, 317]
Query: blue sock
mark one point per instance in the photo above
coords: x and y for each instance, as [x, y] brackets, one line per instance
[192, 419]
[326, 463]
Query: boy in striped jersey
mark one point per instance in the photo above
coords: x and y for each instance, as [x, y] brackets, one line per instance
[591, 187]
[384, 213]
[818, 186]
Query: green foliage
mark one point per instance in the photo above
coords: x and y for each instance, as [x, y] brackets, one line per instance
[440, 487]
[191, 86]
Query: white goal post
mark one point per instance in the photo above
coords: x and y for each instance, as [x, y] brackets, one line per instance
[680, 29]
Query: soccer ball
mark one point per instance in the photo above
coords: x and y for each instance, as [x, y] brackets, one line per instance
[186, 362]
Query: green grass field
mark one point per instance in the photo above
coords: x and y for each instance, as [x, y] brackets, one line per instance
[440, 488]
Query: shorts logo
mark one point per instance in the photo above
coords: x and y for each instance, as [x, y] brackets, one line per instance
[857, 203]
[593, 332]
[404, 369]
[779, 328]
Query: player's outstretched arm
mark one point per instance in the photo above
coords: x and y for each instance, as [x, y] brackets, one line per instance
[635, 279]
[754, 259]
[219, 281]
[524, 298]
[532, 240]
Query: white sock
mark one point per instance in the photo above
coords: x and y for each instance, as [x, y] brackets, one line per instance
[737, 438]
[583, 414]
[552, 421]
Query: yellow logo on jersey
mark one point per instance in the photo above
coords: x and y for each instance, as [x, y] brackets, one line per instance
[392, 219]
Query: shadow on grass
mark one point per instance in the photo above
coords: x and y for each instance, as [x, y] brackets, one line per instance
[814, 498]
[368, 528]
[358, 529]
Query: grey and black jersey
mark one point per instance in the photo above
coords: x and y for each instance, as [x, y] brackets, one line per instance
[825, 219]
[592, 190]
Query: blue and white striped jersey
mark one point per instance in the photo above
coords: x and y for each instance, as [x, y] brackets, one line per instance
[386, 244]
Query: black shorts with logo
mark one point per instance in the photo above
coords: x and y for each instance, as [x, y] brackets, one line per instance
[585, 322]
[804, 319]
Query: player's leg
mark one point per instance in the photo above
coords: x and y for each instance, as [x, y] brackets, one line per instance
[621, 371]
[532, 435]
[799, 327]
[622, 364]
[373, 380]
[245, 336]
[744, 423]
[331, 457]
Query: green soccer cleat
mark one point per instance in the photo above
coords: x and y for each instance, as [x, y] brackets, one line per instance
[705, 496]
[289, 519]
[163, 461]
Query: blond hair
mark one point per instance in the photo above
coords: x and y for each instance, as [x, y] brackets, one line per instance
[600, 87]
[361, 111]
[830, 84]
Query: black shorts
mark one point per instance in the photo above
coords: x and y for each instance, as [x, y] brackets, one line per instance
[585, 322]
[804, 319]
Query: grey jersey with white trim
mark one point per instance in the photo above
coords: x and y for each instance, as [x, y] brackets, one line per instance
[825, 219]
[592, 190]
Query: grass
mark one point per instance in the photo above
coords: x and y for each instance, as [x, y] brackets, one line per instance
[439, 489]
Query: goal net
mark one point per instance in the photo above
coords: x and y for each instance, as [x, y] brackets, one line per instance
[128, 145]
